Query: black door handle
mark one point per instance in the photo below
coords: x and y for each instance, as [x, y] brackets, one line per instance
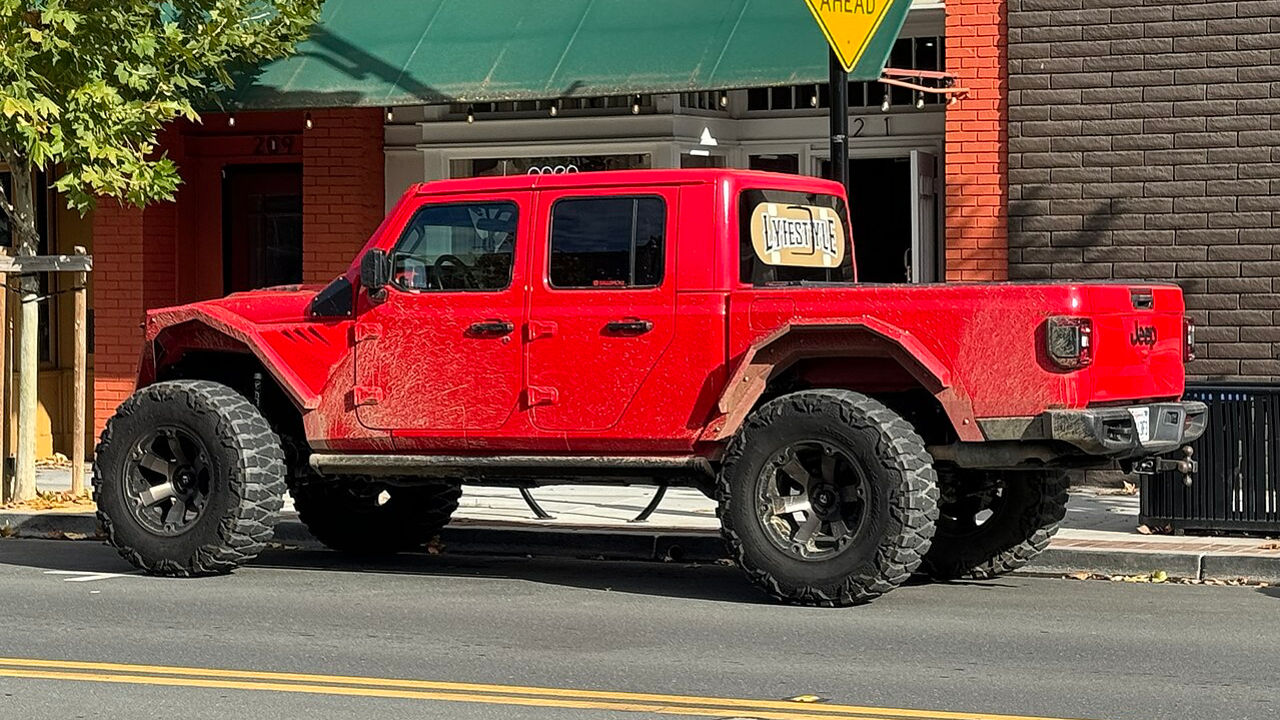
[491, 328]
[629, 327]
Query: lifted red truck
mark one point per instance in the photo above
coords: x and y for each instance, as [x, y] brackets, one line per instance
[695, 328]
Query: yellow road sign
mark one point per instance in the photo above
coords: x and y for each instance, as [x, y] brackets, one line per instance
[850, 24]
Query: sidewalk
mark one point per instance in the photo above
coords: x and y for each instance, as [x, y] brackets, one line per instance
[1099, 535]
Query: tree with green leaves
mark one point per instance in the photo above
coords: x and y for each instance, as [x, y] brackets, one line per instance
[85, 88]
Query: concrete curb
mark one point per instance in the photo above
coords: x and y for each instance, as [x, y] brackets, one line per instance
[59, 526]
[604, 543]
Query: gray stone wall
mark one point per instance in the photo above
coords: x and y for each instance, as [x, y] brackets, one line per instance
[1144, 144]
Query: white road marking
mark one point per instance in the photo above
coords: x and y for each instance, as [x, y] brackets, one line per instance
[81, 576]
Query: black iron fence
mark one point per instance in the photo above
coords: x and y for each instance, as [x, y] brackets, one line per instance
[1239, 454]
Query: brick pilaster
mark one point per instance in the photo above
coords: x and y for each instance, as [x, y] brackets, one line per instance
[976, 225]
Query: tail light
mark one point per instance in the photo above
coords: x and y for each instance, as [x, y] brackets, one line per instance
[1070, 342]
[1188, 339]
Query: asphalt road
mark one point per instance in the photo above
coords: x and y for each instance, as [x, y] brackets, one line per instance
[478, 637]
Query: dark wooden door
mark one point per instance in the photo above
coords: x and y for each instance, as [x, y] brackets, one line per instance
[261, 226]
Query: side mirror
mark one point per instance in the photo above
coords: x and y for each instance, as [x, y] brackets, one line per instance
[375, 271]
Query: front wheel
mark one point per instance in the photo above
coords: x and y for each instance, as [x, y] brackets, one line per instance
[827, 498]
[992, 523]
[188, 478]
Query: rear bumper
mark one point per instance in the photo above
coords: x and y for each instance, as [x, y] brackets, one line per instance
[1121, 433]
[1110, 433]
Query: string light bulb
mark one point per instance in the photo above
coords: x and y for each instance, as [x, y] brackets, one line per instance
[724, 99]
[635, 105]
[555, 108]
[391, 116]
[471, 114]
[231, 120]
[307, 122]
[884, 106]
[919, 100]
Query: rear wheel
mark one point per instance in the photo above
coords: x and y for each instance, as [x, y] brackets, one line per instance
[373, 519]
[188, 477]
[827, 498]
[992, 523]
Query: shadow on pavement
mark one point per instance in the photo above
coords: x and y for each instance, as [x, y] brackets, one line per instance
[699, 581]
[677, 580]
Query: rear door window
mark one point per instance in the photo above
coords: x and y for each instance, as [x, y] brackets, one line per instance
[608, 242]
[793, 238]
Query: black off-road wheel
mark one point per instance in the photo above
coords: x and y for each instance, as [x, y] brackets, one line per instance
[367, 518]
[827, 498]
[188, 478]
[991, 523]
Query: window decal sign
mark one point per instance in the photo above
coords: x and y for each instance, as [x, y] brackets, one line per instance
[797, 235]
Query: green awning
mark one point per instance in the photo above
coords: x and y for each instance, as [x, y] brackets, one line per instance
[411, 52]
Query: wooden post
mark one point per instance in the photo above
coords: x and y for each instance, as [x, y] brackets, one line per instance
[80, 372]
[6, 378]
[24, 487]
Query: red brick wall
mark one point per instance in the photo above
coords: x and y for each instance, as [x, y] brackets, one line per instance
[977, 232]
[342, 188]
[118, 272]
[160, 235]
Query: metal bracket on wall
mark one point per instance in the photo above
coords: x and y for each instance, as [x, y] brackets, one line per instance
[925, 81]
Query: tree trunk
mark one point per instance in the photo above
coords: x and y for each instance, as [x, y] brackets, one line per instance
[28, 332]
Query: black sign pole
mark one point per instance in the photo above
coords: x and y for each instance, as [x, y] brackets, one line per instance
[839, 92]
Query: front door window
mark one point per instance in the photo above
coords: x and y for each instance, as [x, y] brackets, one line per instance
[462, 246]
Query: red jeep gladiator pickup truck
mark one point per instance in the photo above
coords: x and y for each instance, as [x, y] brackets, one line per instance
[702, 328]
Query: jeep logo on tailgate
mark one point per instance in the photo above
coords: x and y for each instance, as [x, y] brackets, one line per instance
[1143, 335]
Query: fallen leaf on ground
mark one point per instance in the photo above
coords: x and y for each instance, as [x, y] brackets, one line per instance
[51, 501]
[58, 460]
[434, 546]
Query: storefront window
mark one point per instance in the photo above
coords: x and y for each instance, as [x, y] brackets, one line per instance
[551, 165]
[911, 53]
[783, 163]
[689, 160]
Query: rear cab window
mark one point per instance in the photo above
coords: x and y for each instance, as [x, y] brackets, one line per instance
[789, 238]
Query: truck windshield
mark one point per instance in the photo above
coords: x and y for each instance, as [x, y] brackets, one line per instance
[793, 238]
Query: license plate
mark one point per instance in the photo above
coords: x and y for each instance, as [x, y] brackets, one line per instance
[1142, 420]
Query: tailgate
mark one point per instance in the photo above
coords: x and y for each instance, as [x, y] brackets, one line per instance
[1138, 342]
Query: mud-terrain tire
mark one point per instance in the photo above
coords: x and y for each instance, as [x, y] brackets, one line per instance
[212, 461]
[351, 515]
[1020, 511]
[859, 463]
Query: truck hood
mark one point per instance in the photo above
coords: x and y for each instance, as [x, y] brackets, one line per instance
[283, 304]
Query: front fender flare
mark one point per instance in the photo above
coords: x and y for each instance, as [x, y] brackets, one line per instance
[226, 324]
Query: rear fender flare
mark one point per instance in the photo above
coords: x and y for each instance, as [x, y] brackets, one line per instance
[867, 337]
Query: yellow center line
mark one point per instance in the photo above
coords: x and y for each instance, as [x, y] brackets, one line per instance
[460, 692]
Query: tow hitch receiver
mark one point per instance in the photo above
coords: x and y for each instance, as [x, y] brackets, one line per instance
[1153, 465]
